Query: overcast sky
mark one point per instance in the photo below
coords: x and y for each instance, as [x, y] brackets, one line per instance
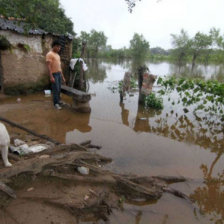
[155, 20]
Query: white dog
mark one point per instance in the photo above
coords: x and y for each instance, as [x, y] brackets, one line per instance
[4, 144]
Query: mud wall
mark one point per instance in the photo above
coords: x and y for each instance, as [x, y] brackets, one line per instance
[24, 66]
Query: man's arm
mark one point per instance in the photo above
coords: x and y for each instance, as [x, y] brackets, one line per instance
[50, 72]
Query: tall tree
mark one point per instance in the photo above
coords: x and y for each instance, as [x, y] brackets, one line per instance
[199, 43]
[217, 39]
[218, 43]
[95, 41]
[84, 36]
[181, 44]
[139, 47]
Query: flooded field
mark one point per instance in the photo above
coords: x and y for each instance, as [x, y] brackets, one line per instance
[144, 142]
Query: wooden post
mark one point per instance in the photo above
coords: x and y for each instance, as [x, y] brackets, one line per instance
[80, 99]
[82, 77]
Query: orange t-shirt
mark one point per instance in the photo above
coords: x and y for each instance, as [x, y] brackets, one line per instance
[55, 61]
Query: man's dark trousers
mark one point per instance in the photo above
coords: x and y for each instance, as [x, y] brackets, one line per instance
[56, 87]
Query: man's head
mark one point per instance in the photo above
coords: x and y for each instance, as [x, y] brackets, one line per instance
[56, 46]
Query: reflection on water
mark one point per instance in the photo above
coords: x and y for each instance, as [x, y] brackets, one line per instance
[96, 71]
[173, 123]
[124, 114]
[210, 196]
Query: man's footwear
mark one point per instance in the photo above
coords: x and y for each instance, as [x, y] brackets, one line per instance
[57, 106]
[61, 103]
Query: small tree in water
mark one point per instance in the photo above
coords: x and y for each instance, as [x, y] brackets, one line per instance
[181, 45]
[139, 46]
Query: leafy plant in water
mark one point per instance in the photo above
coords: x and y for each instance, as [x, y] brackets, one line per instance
[154, 102]
[133, 83]
[192, 91]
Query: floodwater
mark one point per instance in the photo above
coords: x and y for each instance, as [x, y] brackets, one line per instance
[167, 142]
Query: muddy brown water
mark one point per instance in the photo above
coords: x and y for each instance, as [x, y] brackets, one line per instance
[142, 142]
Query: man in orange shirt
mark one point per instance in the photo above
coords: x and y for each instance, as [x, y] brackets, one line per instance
[55, 72]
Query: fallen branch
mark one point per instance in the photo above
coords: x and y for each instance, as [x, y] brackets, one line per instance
[86, 143]
[90, 146]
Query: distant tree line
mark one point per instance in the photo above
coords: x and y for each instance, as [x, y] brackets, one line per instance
[201, 47]
[50, 16]
[97, 47]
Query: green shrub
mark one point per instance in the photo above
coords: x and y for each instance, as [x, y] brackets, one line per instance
[154, 102]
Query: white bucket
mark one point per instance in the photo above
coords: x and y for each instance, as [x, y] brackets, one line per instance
[47, 92]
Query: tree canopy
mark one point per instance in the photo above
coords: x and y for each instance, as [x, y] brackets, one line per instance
[200, 45]
[95, 40]
[181, 46]
[139, 46]
[44, 14]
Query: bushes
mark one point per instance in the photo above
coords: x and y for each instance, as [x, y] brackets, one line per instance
[154, 102]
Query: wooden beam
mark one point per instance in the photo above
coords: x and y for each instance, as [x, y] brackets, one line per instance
[77, 95]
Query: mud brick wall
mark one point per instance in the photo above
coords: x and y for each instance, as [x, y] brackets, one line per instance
[24, 63]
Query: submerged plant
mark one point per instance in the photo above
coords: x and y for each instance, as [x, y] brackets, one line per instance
[133, 83]
[153, 101]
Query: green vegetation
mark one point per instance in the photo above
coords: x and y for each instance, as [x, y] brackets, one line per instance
[202, 47]
[133, 84]
[204, 95]
[44, 14]
[153, 101]
[96, 41]
[97, 48]
[139, 47]
[181, 47]
[27, 47]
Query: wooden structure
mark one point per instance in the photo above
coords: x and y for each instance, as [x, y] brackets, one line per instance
[80, 99]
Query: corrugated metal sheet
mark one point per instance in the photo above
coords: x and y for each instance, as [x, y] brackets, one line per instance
[21, 27]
